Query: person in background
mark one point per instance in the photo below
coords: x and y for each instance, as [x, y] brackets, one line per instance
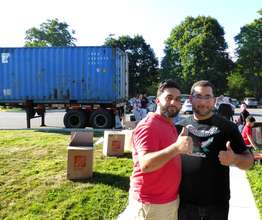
[225, 110]
[247, 132]
[154, 183]
[241, 121]
[217, 144]
[137, 111]
[144, 102]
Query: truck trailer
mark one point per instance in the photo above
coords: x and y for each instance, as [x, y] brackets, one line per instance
[90, 83]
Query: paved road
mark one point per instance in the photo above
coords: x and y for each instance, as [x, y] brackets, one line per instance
[17, 120]
[54, 119]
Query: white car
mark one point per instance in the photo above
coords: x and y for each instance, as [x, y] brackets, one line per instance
[187, 107]
[251, 102]
[184, 97]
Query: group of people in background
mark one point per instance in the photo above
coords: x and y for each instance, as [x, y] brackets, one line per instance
[244, 121]
[139, 106]
[181, 171]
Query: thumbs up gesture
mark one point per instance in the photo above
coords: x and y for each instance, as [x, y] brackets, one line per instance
[227, 157]
[184, 143]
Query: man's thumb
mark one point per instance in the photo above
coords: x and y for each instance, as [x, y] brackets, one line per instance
[184, 132]
[228, 145]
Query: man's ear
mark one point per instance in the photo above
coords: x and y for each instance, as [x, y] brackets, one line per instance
[157, 100]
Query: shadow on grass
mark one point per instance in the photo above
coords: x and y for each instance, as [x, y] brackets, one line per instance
[120, 182]
[127, 155]
[68, 131]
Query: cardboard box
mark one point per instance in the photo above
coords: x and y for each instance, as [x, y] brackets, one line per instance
[128, 140]
[80, 156]
[114, 142]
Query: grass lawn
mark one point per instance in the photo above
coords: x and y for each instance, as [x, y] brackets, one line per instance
[255, 178]
[2, 109]
[33, 183]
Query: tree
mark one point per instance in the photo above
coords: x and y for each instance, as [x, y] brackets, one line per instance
[196, 50]
[237, 84]
[249, 51]
[143, 65]
[50, 33]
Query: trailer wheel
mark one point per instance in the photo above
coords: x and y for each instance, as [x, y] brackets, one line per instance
[75, 119]
[101, 118]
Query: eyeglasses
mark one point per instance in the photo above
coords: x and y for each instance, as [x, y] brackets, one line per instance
[206, 97]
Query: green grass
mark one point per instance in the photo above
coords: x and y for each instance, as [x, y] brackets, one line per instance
[33, 183]
[255, 178]
[2, 109]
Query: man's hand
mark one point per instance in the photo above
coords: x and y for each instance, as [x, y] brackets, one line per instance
[227, 157]
[184, 143]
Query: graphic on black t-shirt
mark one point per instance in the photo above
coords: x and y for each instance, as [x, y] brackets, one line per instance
[202, 136]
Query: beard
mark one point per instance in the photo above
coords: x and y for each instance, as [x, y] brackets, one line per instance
[202, 113]
[169, 112]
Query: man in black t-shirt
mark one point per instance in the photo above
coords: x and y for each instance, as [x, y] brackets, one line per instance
[204, 190]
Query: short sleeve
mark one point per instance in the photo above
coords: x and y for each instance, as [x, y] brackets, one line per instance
[145, 139]
[236, 140]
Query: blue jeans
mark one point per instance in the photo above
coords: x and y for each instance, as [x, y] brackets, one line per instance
[195, 212]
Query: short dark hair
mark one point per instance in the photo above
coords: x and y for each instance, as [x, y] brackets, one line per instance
[250, 119]
[201, 83]
[169, 83]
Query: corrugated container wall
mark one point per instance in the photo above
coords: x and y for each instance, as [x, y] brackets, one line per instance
[63, 74]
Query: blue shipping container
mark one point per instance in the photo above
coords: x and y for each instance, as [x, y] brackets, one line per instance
[63, 75]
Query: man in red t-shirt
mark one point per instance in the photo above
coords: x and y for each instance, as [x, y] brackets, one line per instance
[156, 176]
[247, 132]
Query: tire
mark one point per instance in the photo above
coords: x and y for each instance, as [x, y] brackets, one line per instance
[101, 118]
[75, 119]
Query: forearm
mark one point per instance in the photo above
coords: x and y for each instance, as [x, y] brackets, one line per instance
[154, 160]
[251, 141]
[244, 161]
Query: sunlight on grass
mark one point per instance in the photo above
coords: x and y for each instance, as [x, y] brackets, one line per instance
[33, 183]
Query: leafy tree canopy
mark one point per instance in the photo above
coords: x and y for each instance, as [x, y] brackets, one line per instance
[196, 50]
[249, 52]
[51, 33]
[143, 65]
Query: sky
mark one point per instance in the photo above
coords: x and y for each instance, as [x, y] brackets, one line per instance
[94, 20]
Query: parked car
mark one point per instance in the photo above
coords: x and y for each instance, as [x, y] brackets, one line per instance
[251, 102]
[187, 107]
[234, 102]
[184, 97]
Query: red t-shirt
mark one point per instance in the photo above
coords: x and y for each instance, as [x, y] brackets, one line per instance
[247, 130]
[160, 186]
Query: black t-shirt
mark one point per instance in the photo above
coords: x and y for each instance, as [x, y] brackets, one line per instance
[204, 180]
[243, 115]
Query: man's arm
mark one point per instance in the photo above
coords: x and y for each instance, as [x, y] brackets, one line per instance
[151, 161]
[243, 161]
[251, 140]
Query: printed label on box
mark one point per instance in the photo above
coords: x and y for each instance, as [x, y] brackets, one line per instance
[116, 144]
[80, 162]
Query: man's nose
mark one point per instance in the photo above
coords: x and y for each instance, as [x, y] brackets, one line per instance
[175, 102]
